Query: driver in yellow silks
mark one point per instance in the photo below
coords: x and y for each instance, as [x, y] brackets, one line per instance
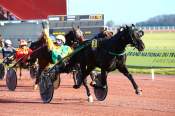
[57, 47]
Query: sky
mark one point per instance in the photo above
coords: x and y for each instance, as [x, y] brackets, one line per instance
[122, 11]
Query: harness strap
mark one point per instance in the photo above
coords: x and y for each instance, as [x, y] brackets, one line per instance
[119, 53]
[33, 51]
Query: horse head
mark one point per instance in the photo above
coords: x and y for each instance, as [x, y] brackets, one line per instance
[79, 34]
[74, 37]
[133, 36]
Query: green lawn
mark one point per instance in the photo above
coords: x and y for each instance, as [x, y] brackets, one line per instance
[159, 40]
[159, 52]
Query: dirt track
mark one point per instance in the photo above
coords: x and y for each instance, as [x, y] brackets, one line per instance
[158, 98]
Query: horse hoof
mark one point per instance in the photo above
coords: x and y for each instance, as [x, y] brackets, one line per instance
[76, 86]
[90, 99]
[104, 87]
[35, 87]
[138, 91]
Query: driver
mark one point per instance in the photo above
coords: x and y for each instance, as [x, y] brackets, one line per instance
[8, 51]
[57, 47]
[23, 51]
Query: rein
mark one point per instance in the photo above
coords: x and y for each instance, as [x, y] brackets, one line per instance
[33, 51]
[118, 53]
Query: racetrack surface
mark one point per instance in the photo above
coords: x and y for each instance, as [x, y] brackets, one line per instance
[158, 98]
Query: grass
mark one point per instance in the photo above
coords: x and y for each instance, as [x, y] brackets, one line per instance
[159, 52]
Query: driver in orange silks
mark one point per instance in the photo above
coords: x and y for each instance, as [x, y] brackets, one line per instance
[23, 51]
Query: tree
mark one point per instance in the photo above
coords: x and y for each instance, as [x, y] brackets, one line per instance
[110, 23]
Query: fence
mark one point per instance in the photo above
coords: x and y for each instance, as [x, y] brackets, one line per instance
[150, 28]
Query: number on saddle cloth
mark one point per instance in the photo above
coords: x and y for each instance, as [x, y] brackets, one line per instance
[94, 44]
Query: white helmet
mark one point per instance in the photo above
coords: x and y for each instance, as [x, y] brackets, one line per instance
[61, 37]
[8, 42]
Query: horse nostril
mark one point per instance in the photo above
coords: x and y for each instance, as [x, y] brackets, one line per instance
[142, 48]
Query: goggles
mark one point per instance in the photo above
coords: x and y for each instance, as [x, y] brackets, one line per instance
[59, 42]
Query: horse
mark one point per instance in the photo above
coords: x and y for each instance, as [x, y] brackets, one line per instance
[74, 37]
[44, 55]
[109, 54]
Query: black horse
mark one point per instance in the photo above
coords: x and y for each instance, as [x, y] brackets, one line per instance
[108, 54]
[43, 55]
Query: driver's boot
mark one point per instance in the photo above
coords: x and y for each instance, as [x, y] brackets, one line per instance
[78, 84]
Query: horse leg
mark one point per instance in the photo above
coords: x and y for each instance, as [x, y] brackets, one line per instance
[85, 73]
[16, 69]
[74, 72]
[90, 98]
[93, 75]
[104, 75]
[37, 78]
[80, 80]
[125, 71]
[20, 72]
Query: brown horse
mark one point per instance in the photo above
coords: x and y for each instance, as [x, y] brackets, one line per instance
[73, 37]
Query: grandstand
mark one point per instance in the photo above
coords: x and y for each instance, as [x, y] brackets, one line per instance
[31, 9]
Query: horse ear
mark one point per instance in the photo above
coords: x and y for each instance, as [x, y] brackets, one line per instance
[133, 25]
[121, 28]
[73, 28]
[126, 26]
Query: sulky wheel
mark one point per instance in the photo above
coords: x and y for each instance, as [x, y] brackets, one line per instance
[11, 79]
[46, 88]
[2, 71]
[99, 90]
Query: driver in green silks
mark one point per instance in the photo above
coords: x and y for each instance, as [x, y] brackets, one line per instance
[57, 47]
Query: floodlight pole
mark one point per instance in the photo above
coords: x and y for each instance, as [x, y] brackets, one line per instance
[67, 5]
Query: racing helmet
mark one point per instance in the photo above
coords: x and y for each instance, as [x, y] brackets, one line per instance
[60, 37]
[8, 42]
[52, 38]
[23, 42]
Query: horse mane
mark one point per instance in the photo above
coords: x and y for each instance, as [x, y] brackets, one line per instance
[70, 38]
